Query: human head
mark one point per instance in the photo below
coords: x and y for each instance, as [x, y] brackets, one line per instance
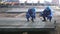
[47, 8]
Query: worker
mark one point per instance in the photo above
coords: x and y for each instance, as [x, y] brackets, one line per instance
[47, 13]
[31, 13]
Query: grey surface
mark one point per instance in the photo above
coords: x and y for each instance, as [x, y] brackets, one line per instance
[22, 23]
[24, 10]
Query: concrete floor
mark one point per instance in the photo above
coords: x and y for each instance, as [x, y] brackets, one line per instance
[4, 17]
[22, 23]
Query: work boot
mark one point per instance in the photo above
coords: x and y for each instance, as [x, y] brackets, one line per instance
[32, 20]
[43, 20]
[27, 20]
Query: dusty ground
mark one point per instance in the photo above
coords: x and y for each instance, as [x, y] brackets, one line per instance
[57, 18]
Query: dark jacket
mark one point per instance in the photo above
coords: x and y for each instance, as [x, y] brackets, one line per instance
[47, 12]
[31, 13]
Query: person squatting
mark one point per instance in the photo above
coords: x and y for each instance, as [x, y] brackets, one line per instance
[31, 13]
[47, 13]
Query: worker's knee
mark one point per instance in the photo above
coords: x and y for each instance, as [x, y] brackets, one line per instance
[49, 17]
[33, 16]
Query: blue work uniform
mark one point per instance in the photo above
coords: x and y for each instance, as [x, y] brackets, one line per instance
[47, 13]
[31, 13]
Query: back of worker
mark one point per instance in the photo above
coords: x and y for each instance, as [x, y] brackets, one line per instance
[31, 13]
[47, 13]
